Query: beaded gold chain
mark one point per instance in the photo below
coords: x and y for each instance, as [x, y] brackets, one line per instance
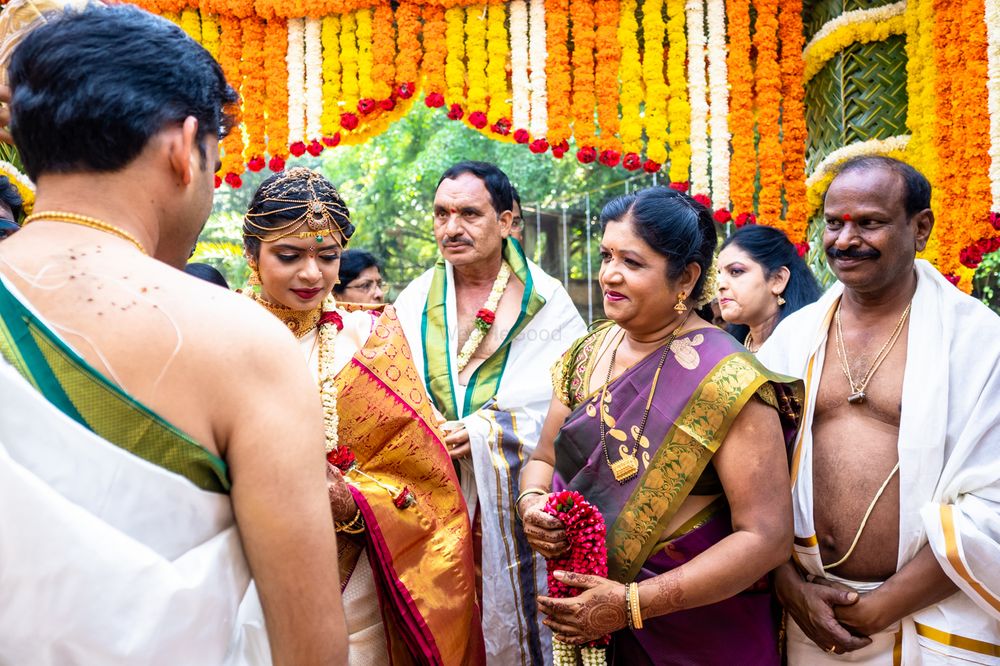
[84, 221]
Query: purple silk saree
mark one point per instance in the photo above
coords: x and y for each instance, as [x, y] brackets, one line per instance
[704, 384]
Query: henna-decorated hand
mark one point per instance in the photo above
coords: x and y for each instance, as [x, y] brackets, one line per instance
[599, 610]
[341, 501]
[545, 533]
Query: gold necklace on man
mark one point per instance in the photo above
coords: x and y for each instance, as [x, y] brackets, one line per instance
[858, 394]
[84, 221]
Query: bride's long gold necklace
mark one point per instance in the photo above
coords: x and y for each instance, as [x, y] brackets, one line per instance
[299, 322]
[627, 466]
[858, 394]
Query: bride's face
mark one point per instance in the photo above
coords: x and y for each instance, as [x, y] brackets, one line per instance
[299, 272]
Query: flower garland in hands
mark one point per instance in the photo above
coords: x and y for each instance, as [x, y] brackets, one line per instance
[342, 457]
[588, 554]
[484, 318]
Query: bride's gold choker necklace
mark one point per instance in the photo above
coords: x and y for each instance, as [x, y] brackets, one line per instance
[299, 322]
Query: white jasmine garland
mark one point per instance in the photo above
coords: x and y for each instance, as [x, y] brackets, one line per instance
[537, 55]
[992, 16]
[847, 21]
[718, 81]
[821, 175]
[295, 61]
[478, 334]
[520, 85]
[327, 385]
[314, 77]
[695, 10]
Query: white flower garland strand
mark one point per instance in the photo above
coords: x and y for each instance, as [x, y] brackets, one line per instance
[24, 186]
[314, 78]
[718, 94]
[519, 82]
[697, 95]
[296, 80]
[327, 385]
[478, 335]
[992, 16]
[537, 55]
[564, 654]
[893, 146]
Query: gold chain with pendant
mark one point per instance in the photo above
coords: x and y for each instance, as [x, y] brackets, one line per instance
[858, 394]
[627, 466]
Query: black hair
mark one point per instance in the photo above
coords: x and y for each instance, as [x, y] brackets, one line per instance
[495, 180]
[352, 263]
[91, 87]
[515, 197]
[673, 224]
[206, 272]
[285, 197]
[771, 248]
[916, 187]
[10, 196]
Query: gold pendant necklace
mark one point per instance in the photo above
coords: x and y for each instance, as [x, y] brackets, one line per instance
[299, 322]
[627, 466]
[858, 394]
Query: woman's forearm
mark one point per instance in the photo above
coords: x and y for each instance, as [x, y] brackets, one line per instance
[724, 570]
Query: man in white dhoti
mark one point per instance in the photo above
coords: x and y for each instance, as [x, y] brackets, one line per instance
[152, 459]
[896, 469]
[486, 325]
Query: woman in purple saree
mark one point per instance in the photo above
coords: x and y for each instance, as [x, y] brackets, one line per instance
[677, 434]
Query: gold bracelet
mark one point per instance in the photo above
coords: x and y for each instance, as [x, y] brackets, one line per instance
[525, 493]
[628, 605]
[635, 611]
[355, 526]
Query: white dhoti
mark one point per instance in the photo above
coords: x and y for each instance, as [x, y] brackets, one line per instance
[949, 466]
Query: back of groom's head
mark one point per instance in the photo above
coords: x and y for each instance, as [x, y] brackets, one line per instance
[91, 87]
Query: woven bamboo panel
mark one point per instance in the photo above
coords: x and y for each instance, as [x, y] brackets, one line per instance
[817, 12]
[859, 95]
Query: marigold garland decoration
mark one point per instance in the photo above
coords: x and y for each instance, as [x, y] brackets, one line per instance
[475, 57]
[743, 163]
[793, 120]
[631, 78]
[497, 49]
[455, 64]
[584, 97]
[768, 103]
[657, 91]
[314, 74]
[608, 59]
[557, 69]
[276, 72]
[330, 37]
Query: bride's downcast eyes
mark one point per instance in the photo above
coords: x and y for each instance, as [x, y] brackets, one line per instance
[288, 258]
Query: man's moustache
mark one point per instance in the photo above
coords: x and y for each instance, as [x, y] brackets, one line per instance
[834, 253]
[458, 240]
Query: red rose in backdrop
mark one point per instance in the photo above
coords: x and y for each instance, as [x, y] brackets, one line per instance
[455, 112]
[521, 136]
[332, 141]
[348, 121]
[538, 146]
[560, 149]
[631, 161]
[502, 127]
[722, 215]
[387, 104]
[256, 164]
[478, 119]
[703, 200]
[609, 158]
[434, 100]
[586, 155]
[314, 148]
[276, 163]
[649, 166]
[744, 219]
[366, 106]
[298, 149]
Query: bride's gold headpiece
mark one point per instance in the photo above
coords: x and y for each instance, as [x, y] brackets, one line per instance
[298, 189]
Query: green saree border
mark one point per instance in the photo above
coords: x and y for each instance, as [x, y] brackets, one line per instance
[679, 461]
[485, 381]
[149, 437]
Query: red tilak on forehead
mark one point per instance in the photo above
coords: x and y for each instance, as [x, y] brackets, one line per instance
[846, 217]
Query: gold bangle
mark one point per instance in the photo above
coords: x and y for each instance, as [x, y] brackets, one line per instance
[628, 605]
[355, 526]
[525, 493]
[635, 611]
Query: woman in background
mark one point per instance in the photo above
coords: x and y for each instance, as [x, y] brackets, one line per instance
[762, 280]
[360, 278]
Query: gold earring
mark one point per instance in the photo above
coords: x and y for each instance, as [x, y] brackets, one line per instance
[254, 279]
[781, 300]
[681, 307]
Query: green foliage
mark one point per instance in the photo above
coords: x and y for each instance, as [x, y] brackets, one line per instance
[388, 183]
[986, 283]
